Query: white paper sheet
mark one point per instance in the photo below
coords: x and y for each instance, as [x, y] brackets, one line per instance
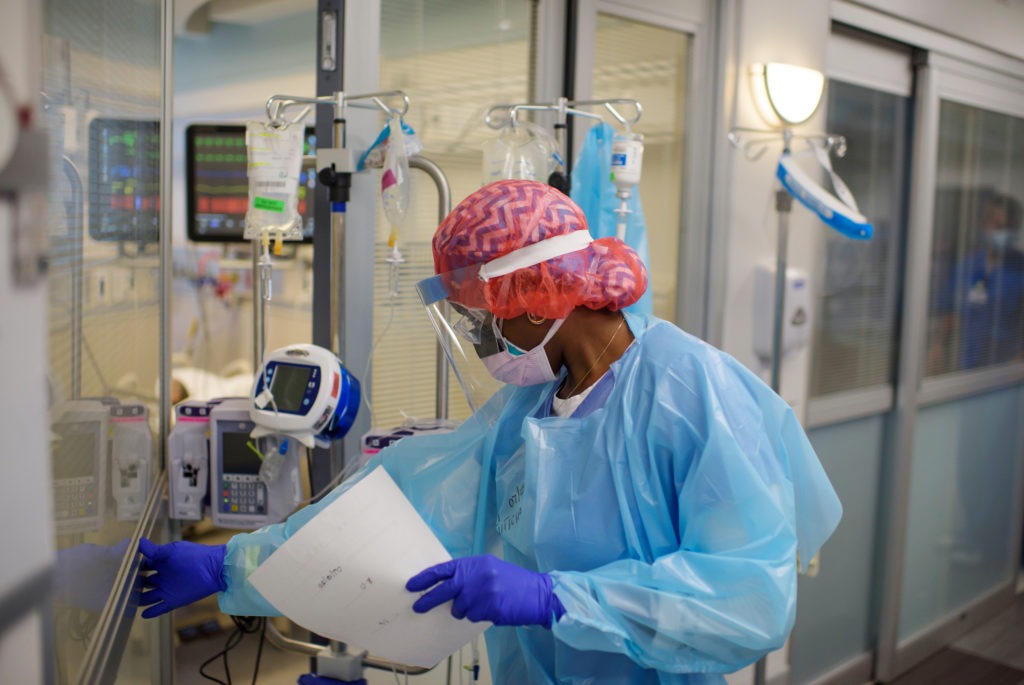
[343, 575]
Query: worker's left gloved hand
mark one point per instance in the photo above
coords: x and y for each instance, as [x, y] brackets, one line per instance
[485, 588]
[314, 679]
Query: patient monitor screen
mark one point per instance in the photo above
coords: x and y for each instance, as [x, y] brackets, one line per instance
[124, 180]
[236, 455]
[289, 386]
[217, 183]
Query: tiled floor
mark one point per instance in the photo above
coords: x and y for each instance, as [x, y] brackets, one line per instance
[954, 667]
[1001, 639]
[992, 654]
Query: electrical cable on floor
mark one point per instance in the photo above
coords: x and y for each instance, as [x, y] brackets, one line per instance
[244, 625]
[233, 640]
[259, 648]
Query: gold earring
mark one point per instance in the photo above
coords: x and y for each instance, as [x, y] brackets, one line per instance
[533, 320]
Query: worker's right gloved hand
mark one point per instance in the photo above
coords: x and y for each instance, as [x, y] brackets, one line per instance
[181, 573]
[314, 679]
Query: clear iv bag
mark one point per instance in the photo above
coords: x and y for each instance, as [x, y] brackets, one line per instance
[394, 180]
[524, 151]
[275, 162]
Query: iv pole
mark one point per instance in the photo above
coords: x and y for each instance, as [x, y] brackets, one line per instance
[444, 208]
[563, 107]
[336, 167]
[753, 149]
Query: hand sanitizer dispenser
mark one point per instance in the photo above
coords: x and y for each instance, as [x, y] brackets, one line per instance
[796, 315]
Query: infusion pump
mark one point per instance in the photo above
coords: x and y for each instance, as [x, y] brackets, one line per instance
[253, 481]
[218, 468]
[102, 458]
[239, 459]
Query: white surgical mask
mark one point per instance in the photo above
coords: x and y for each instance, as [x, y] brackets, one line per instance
[1001, 238]
[517, 367]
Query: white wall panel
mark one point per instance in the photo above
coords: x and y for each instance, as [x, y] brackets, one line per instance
[994, 24]
[769, 31]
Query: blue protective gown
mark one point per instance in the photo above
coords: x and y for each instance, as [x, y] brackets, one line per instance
[990, 304]
[670, 510]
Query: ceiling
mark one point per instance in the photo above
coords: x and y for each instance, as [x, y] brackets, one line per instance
[195, 17]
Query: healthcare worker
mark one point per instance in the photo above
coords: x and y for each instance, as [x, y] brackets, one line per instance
[979, 303]
[631, 507]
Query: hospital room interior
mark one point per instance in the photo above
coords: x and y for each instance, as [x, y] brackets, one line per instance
[233, 362]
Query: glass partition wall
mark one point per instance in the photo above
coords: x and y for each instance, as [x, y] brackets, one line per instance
[102, 107]
[916, 381]
[915, 386]
[854, 357]
[976, 307]
[453, 61]
[961, 547]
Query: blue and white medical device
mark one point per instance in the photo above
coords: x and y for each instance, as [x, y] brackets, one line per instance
[304, 392]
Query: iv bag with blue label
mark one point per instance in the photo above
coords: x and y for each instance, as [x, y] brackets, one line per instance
[275, 162]
[394, 181]
[627, 160]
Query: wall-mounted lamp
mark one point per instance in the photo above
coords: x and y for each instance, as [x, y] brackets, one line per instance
[788, 92]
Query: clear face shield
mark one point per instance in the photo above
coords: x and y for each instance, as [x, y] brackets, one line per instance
[466, 335]
[456, 304]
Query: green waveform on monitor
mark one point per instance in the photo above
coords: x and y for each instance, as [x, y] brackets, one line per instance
[214, 189]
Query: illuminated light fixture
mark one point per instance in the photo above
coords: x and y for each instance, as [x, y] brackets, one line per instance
[789, 92]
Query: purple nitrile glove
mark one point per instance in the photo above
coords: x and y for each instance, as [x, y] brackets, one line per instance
[485, 588]
[182, 573]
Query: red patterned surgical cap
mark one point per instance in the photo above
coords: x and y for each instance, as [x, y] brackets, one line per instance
[508, 215]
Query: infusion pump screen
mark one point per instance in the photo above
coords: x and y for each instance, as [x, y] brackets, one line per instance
[74, 455]
[237, 457]
[289, 386]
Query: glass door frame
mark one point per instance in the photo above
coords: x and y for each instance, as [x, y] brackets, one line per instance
[938, 77]
[861, 63]
[867, 61]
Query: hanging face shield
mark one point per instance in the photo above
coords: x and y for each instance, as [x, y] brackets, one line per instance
[459, 304]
